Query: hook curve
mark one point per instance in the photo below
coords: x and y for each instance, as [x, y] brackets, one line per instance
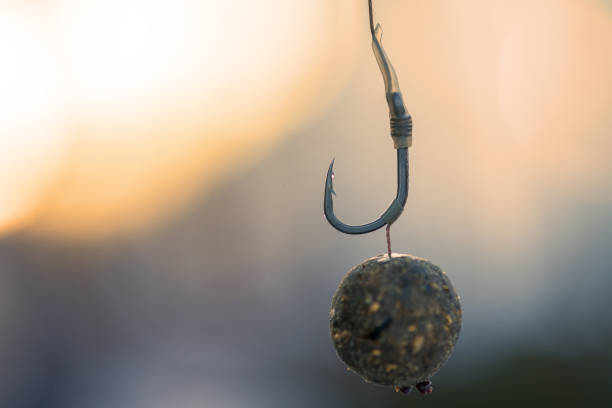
[401, 132]
[388, 217]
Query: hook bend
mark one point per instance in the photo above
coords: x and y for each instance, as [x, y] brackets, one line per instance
[388, 217]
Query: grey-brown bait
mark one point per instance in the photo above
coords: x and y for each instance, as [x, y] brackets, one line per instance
[394, 321]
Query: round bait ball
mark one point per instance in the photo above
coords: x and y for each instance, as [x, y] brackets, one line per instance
[395, 321]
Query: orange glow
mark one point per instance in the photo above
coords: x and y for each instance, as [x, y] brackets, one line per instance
[554, 86]
[160, 99]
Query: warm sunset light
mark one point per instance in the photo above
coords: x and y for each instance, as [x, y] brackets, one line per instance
[158, 99]
[554, 80]
[115, 113]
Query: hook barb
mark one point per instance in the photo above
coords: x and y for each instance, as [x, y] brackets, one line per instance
[329, 181]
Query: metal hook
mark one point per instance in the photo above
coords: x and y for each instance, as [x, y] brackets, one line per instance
[401, 132]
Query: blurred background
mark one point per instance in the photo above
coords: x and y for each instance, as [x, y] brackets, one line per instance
[162, 242]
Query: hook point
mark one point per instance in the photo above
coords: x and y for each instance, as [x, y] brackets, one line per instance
[330, 170]
[329, 184]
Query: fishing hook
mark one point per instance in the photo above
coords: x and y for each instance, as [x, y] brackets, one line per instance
[401, 132]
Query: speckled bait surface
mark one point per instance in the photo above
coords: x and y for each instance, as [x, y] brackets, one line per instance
[394, 321]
